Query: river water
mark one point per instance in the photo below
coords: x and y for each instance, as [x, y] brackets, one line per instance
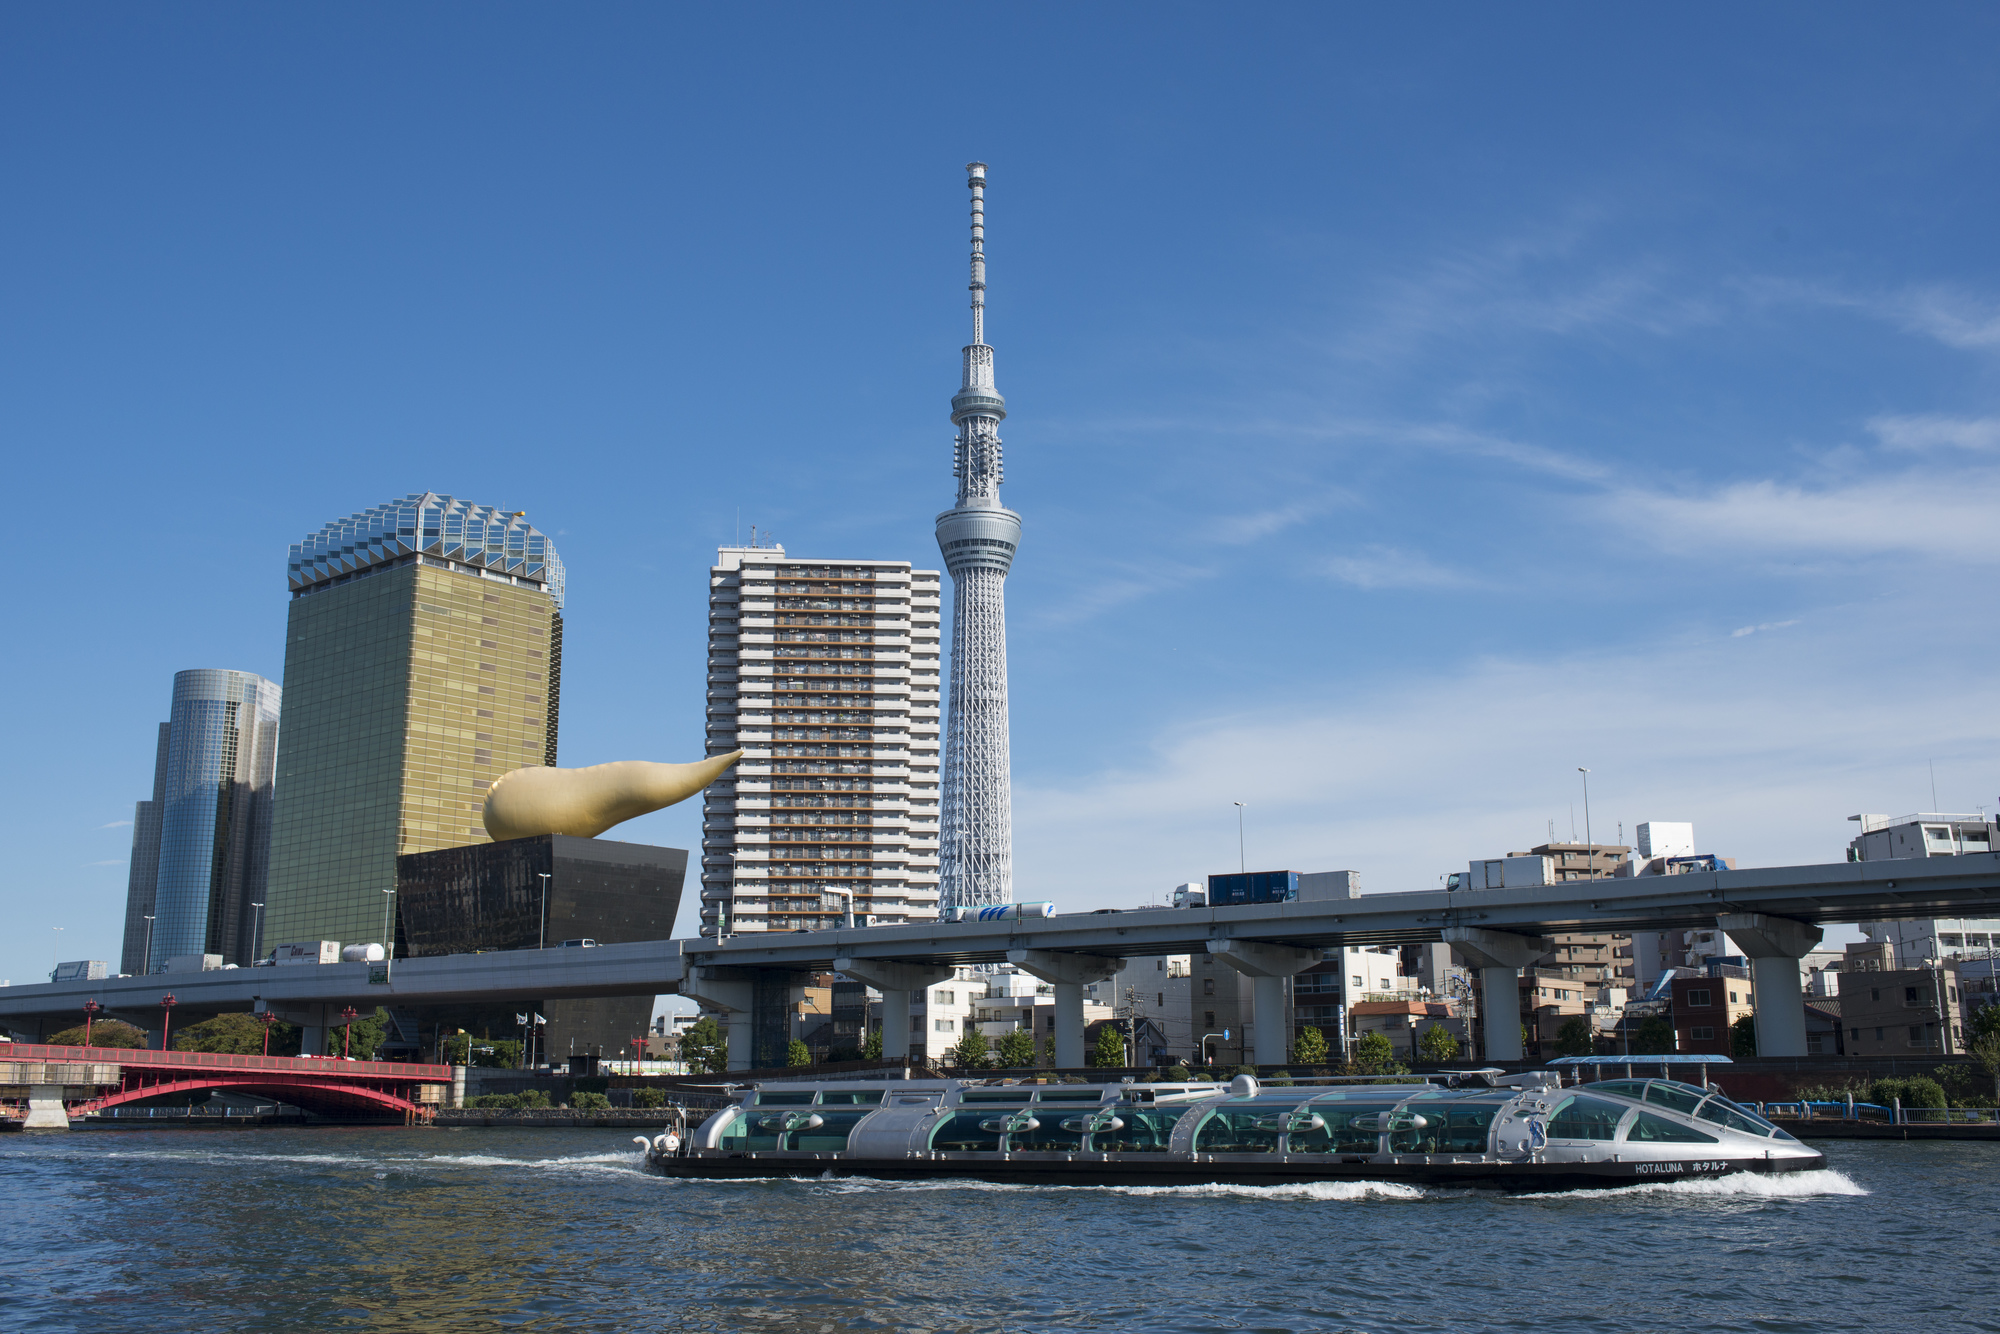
[449, 1230]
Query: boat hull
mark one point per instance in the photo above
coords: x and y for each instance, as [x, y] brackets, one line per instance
[1220, 1170]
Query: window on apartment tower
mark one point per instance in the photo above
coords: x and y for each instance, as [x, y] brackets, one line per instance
[1162, 1001]
[1702, 1034]
[945, 1025]
[1208, 986]
[1208, 1018]
[1698, 996]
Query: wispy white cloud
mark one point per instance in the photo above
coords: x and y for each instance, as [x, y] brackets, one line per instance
[1124, 584]
[1748, 630]
[117, 824]
[1915, 513]
[1375, 567]
[1929, 431]
[1951, 315]
[114, 861]
[1408, 781]
[1242, 529]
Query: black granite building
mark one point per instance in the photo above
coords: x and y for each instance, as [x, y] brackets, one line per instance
[526, 893]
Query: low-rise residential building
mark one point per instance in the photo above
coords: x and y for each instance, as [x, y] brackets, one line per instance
[1903, 1012]
[1706, 1007]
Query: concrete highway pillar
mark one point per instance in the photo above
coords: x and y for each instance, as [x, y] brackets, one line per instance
[1267, 967]
[729, 990]
[1068, 974]
[895, 981]
[1499, 956]
[1775, 946]
[45, 1108]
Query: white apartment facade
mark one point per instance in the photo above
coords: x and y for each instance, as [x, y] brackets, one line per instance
[825, 674]
[1928, 834]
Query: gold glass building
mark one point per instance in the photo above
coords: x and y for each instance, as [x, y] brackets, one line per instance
[423, 659]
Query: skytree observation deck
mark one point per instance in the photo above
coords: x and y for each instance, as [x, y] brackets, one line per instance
[978, 537]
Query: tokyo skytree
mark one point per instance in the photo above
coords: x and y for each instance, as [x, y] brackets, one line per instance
[977, 536]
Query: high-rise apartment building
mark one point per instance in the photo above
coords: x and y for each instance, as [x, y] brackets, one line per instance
[200, 847]
[825, 673]
[978, 537]
[423, 659]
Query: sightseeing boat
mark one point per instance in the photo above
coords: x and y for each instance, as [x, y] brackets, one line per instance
[1473, 1128]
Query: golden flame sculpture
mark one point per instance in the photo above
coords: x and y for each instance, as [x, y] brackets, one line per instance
[586, 802]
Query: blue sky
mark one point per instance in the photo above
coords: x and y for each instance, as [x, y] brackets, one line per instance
[1406, 408]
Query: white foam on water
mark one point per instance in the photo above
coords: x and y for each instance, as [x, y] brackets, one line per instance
[1735, 1186]
[1307, 1190]
[629, 1160]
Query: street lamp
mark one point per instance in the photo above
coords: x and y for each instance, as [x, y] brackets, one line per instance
[350, 1014]
[542, 923]
[146, 964]
[267, 1018]
[257, 933]
[388, 937]
[167, 1003]
[1242, 862]
[1589, 853]
[91, 1009]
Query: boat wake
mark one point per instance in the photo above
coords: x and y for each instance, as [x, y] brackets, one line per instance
[1735, 1186]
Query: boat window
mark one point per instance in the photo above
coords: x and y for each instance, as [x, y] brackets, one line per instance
[1016, 1096]
[784, 1099]
[1238, 1132]
[1147, 1129]
[857, 1098]
[1049, 1136]
[1675, 1097]
[1070, 1095]
[1722, 1112]
[1582, 1117]
[960, 1132]
[1623, 1088]
[1763, 1127]
[1467, 1126]
[1658, 1130]
[830, 1136]
[1340, 1134]
[741, 1135]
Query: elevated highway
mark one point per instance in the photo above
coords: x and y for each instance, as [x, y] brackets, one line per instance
[1775, 910]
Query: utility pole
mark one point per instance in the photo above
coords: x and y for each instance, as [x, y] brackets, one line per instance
[1590, 853]
[1242, 862]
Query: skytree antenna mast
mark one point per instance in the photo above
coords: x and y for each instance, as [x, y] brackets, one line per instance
[978, 537]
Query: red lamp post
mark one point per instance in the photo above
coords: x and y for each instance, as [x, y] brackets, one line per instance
[639, 1056]
[350, 1014]
[91, 1009]
[167, 1003]
[267, 1019]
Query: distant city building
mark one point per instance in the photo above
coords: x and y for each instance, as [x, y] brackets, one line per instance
[423, 659]
[1928, 834]
[825, 673]
[144, 874]
[1706, 1006]
[201, 845]
[1900, 1011]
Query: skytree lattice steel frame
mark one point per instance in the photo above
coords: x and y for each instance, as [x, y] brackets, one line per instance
[978, 537]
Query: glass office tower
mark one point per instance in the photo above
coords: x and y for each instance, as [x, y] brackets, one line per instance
[200, 847]
[423, 660]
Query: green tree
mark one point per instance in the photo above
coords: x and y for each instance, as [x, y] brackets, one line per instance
[1179, 1073]
[1017, 1049]
[1372, 1053]
[1574, 1038]
[871, 1046]
[237, 1035]
[1654, 1037]
[589, 1102]
[1985, 1022]
[797, 1053]
[367, 1035]
[1915, 1091]
[103, 1033]
[1438, 1045]
[1743, 1037]
[649, 1098]
[1109, 1052]
[498, 1054]
[1985, 1052]
[1049, 1051]
[532, 1099]
[456, 1049]
[970, 1052]
[704, 1047]
[1309, 1047]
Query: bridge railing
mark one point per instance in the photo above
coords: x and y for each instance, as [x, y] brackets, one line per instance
[144, 1056]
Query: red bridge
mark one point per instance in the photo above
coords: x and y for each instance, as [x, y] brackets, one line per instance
[326, 1085]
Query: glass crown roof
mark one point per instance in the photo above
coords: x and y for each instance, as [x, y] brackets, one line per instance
[423, 521]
